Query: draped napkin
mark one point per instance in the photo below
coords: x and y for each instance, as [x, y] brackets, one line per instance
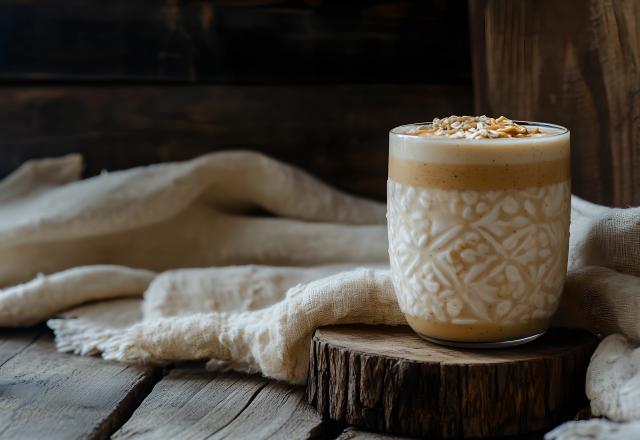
[235, 258]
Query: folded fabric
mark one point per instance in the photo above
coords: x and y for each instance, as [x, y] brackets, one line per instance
[236, 258]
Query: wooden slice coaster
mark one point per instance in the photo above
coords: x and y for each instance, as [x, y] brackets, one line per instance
[388, 379]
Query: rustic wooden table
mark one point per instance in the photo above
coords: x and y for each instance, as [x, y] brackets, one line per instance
[52, 395]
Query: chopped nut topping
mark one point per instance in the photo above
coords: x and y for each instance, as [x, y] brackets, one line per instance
[475, 127]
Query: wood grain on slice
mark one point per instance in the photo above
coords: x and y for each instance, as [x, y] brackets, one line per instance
[338, 133]
[388, 379]
[352, 433]
[47, 394]
[572, 62]
[191, 403]
[358, 434]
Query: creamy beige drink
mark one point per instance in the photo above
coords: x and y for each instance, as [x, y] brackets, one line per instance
[478, 215]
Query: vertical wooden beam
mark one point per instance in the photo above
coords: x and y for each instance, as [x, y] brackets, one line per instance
[573, 62]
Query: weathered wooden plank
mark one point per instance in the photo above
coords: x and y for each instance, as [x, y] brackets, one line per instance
[573, 62]
[267, 41]
[46, 394]
[13, 342]
[337, 132]
[191, 403]
[279, 411]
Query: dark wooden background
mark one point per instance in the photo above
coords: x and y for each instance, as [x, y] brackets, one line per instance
[316, 83]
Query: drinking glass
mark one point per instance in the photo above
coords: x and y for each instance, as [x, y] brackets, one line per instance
[478, 233]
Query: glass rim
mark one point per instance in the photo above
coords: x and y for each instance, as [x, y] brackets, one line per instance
[561, 131]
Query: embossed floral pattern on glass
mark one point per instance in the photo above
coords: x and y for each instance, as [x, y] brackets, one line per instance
[469, 256]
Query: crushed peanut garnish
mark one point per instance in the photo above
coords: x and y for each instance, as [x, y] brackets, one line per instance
[475, 127]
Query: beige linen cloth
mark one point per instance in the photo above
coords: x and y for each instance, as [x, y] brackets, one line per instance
[236, 258]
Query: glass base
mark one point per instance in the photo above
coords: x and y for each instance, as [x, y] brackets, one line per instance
[500, 344]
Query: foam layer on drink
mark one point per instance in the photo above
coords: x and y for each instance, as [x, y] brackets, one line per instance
[549, 145]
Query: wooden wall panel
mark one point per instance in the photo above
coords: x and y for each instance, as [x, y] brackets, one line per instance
[572, 62]
[337, 132]
[235, 41]
[313, 82]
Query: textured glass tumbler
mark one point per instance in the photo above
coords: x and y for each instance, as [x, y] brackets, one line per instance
[478, 233]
